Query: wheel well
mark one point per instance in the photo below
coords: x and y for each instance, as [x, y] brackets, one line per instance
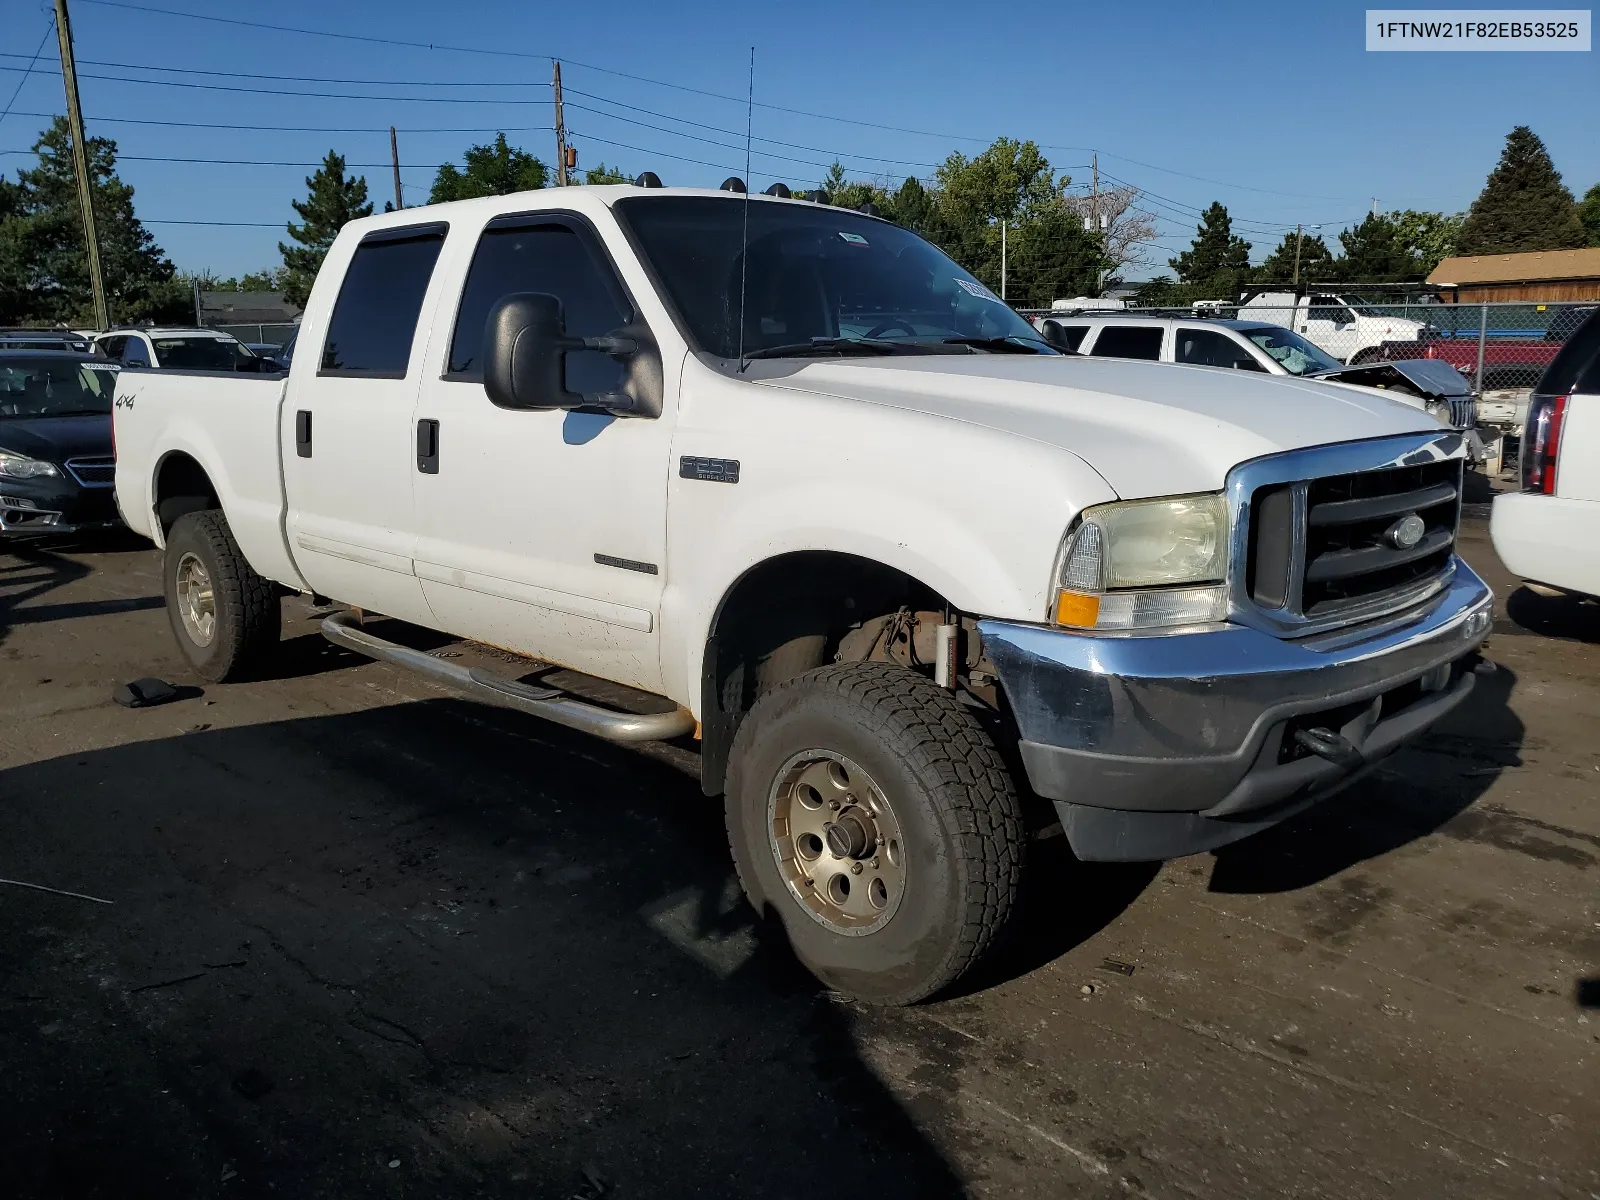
[182, 486]
[783, 617]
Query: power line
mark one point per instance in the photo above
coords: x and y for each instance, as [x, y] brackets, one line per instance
[308, 128]
[257, 91]
[129, 66]
[38, 50]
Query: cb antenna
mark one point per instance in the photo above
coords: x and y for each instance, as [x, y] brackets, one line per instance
[744, 241]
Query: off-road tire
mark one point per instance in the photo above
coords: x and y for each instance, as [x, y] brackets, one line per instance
[954, 800]
[248, 608]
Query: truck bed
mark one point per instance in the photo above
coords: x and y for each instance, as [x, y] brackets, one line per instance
[228, 422]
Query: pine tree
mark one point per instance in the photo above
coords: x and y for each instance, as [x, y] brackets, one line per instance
[494, 170]
[44, 269]
[1316, 261]
[1589, 214]
[332, 201]
[1375, 253]
[1523, 206]
[1216, 264]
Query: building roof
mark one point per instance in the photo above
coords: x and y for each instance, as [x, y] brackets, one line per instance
[246, 308]
[1532, 267]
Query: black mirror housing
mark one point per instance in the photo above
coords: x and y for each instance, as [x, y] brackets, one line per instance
[525, 359]
[525, 342]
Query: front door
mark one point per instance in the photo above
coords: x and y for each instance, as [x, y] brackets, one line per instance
[347, 446]
[542, 532]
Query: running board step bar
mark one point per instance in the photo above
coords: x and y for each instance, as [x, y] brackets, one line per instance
[344, 629]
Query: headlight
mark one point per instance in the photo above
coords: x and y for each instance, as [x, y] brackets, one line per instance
[1439, 410]
[1145, 564]
[20, 466]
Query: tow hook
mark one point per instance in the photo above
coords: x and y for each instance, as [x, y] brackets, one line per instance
[1334, 747]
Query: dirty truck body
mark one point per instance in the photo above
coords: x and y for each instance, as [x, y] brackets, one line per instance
[912, 577]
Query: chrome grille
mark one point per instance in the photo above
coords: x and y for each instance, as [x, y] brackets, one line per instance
[1322, 539]
[1463, 412]
[97, 472]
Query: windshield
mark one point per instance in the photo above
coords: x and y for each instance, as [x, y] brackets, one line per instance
[54, 387]
[1291, 351]
[814, 274]
[201, 353]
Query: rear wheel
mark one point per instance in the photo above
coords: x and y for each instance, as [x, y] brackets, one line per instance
[226, 617]
[875, 817]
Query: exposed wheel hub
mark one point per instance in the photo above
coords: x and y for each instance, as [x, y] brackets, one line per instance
[836, 842]
[197, 601]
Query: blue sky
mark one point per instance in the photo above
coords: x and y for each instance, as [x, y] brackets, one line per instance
[1277, 110]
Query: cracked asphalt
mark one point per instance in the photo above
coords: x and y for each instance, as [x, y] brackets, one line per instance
[336, 933]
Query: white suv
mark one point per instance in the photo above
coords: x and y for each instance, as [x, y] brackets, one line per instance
[1428, 384]
[179, 349]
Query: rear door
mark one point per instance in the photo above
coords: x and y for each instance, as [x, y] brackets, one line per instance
[348, 452]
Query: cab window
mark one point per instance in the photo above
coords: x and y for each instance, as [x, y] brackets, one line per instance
[1129, 341]
[1211, 348]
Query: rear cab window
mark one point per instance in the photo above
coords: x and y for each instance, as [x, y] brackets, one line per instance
[1129, 341]
[380, 298]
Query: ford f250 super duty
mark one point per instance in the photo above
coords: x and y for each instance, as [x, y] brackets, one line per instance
[792, 472]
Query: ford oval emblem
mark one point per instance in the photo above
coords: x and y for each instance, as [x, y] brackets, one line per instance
[1406, 532]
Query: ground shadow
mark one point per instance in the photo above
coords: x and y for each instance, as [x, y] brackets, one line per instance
[1569, 618]
[1421, 789]
[28, 571]
[427, 949]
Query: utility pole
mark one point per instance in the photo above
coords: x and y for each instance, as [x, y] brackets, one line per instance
[394, 159]
[1002, 258]
[1094, 194]
[1299, 233]
[561, 131]
[80, 160]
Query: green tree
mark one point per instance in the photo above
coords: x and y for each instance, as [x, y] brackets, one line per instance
[44, 269]
[1316, 261]
[333, 200]
[1524, 205]
[1374, 253]
[1216, 264]
[1429, 237]
[912, 207]
[1589, 214]
[604, 174]
[497, 169]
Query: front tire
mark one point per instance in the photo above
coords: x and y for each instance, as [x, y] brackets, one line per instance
[226, 617]
[871, 812]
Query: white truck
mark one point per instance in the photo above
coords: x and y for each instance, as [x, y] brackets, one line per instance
[833, 509]
[1342, 325]
[1548, 533]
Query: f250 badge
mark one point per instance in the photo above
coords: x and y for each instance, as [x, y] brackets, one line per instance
[709, 470]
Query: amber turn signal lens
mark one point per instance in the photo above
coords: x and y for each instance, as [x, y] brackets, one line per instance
[1074, 608]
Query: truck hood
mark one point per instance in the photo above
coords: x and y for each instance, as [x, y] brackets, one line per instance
[1149, 429]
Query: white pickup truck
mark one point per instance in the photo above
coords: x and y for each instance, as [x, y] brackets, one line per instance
[899, 565]
[1343, 326]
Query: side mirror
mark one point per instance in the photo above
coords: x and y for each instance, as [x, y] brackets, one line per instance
[1052, 333]
[525, 358]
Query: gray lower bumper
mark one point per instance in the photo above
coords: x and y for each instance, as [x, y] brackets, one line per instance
[1154, 747]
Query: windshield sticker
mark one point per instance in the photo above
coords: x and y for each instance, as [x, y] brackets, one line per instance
[978, 290]
[855, 239]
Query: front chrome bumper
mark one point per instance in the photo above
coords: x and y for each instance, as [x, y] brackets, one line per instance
[1155, 747]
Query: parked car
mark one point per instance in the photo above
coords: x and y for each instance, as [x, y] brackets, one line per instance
[181, 349]
[56, 462]
[1435, 388]
[271, 353]
[1342, 325]
[827, 503]
[1549, 532]
[44, 339]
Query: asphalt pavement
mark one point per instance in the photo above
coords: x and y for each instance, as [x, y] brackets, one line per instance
[338, 933]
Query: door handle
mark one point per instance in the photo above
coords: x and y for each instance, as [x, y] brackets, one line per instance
[302, 433]
[428, 447]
